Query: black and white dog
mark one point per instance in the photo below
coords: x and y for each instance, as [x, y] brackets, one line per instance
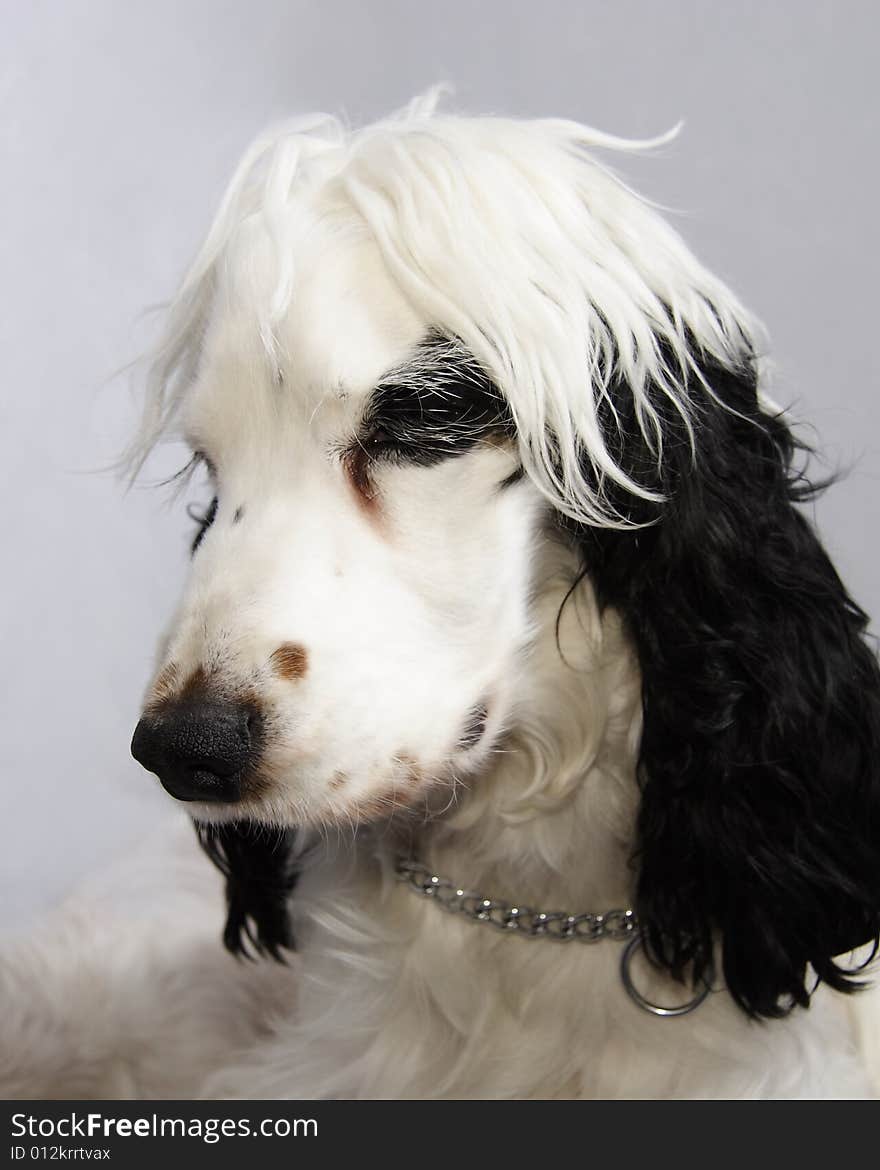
[503, 606]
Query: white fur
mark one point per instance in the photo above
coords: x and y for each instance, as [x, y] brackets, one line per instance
[333, 255]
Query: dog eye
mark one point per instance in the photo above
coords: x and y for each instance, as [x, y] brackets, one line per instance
[424, 429]
[378, 440]
[374, 445]
[441, 406]
[203, 521]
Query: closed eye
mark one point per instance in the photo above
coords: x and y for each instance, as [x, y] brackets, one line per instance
[377, 441]
[203, 518]
[439, 405]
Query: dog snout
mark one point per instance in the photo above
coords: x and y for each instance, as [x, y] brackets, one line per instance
[199, 750]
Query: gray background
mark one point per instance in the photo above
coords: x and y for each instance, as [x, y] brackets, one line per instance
[119, 124]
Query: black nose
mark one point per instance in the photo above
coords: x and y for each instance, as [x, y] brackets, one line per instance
[199, 750]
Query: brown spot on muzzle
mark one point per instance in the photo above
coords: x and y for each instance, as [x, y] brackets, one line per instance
[375, 808]
[168, 688]
[290, 661]
[165, 686]
[412, 773]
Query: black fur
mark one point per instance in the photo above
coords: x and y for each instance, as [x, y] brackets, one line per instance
[260, 875]
[438, 405]
[760, 757]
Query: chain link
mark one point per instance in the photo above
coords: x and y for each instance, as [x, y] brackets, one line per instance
[513, 917]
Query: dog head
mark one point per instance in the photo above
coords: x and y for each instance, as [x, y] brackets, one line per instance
[403, 352]
[358, 589]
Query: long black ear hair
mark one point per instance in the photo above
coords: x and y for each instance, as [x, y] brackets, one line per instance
[760, 756]
[258, 865]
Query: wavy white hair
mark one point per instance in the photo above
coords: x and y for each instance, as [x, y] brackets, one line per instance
[598, 285]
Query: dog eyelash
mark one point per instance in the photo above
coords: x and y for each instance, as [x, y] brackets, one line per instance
[425, 430]
[202, 520]
[418, 430]
[199, 457]
[378, 443]
[371, 447]
[202, 517]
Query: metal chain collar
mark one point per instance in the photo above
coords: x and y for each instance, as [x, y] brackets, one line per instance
[515, 918]
[617, 925]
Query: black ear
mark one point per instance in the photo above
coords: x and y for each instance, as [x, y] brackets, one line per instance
[760, 756]
[257, 863]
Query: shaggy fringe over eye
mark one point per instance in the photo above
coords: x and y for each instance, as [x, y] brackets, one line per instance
[511, 237]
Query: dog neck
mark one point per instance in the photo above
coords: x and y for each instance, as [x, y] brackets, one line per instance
[551, 820]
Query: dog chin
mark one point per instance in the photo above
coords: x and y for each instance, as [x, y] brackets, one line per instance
[253, 812]
[408, 794]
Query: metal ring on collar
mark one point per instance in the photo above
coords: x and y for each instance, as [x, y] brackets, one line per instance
[656, 1009]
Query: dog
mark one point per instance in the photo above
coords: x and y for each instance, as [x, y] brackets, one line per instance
[512, 693]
